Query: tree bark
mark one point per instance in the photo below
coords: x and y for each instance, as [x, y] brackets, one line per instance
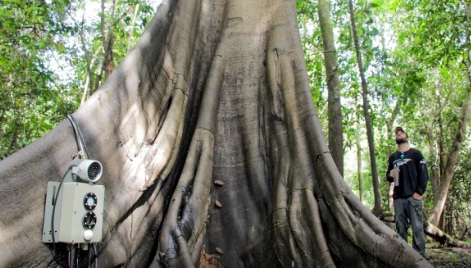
[333, 85]
[214, 90]
[88, 87]
[359, 165]
[377, 209]
[107, 64]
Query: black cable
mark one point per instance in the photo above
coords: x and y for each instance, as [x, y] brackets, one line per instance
[54, 202]
[81, 145]
[89, 256]
[94, 258]
[72, 256]
[92, 247]
[96, 255]
[77, 255]
[77, 138]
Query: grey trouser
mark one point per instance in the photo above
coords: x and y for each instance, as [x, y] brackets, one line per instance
[409, 210]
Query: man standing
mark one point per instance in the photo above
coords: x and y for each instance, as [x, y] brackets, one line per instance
[407, 169]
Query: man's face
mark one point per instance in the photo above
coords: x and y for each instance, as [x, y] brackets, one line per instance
[401, 137]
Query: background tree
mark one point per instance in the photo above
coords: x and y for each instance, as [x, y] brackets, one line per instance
[311, 37]
[335, 133]
[51, 56]
[377, 209]
[30, 104]
[198, 100]
[359, 163]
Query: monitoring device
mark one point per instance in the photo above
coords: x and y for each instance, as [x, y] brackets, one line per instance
[74, 207]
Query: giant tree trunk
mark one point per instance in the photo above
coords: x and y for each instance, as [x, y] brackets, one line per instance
[214, 90]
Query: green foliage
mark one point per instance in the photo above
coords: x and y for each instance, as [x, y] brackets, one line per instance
[42, 68]
[457, 218]
[29, 100]
[313, 52]
[443, 27]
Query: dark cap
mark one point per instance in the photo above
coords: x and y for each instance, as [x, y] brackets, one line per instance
[399, 129]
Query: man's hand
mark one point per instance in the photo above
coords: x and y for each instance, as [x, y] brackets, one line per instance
[392, 173]
[417, 196]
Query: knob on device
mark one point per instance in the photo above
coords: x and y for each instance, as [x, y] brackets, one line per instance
[87, 235]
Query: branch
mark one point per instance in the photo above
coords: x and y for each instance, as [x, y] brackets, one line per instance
[443, 238]
[435, 233]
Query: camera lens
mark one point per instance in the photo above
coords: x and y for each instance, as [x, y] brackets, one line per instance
[94, 170]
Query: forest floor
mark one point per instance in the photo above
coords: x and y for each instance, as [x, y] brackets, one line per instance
[440, 256]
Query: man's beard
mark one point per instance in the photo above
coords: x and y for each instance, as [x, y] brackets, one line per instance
[401, 141]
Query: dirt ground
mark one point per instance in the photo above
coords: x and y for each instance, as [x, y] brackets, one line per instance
[440, 256]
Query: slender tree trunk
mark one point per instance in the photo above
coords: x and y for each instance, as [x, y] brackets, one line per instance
[359, 166]
[441, 140]
[213, 91]
[377, 210]
[131, 31]
[452, 158]
[107, 66]
[332, 77]
[435, 151]
[88, 80]
[389, 131]
[88, 88]
[433, 166]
